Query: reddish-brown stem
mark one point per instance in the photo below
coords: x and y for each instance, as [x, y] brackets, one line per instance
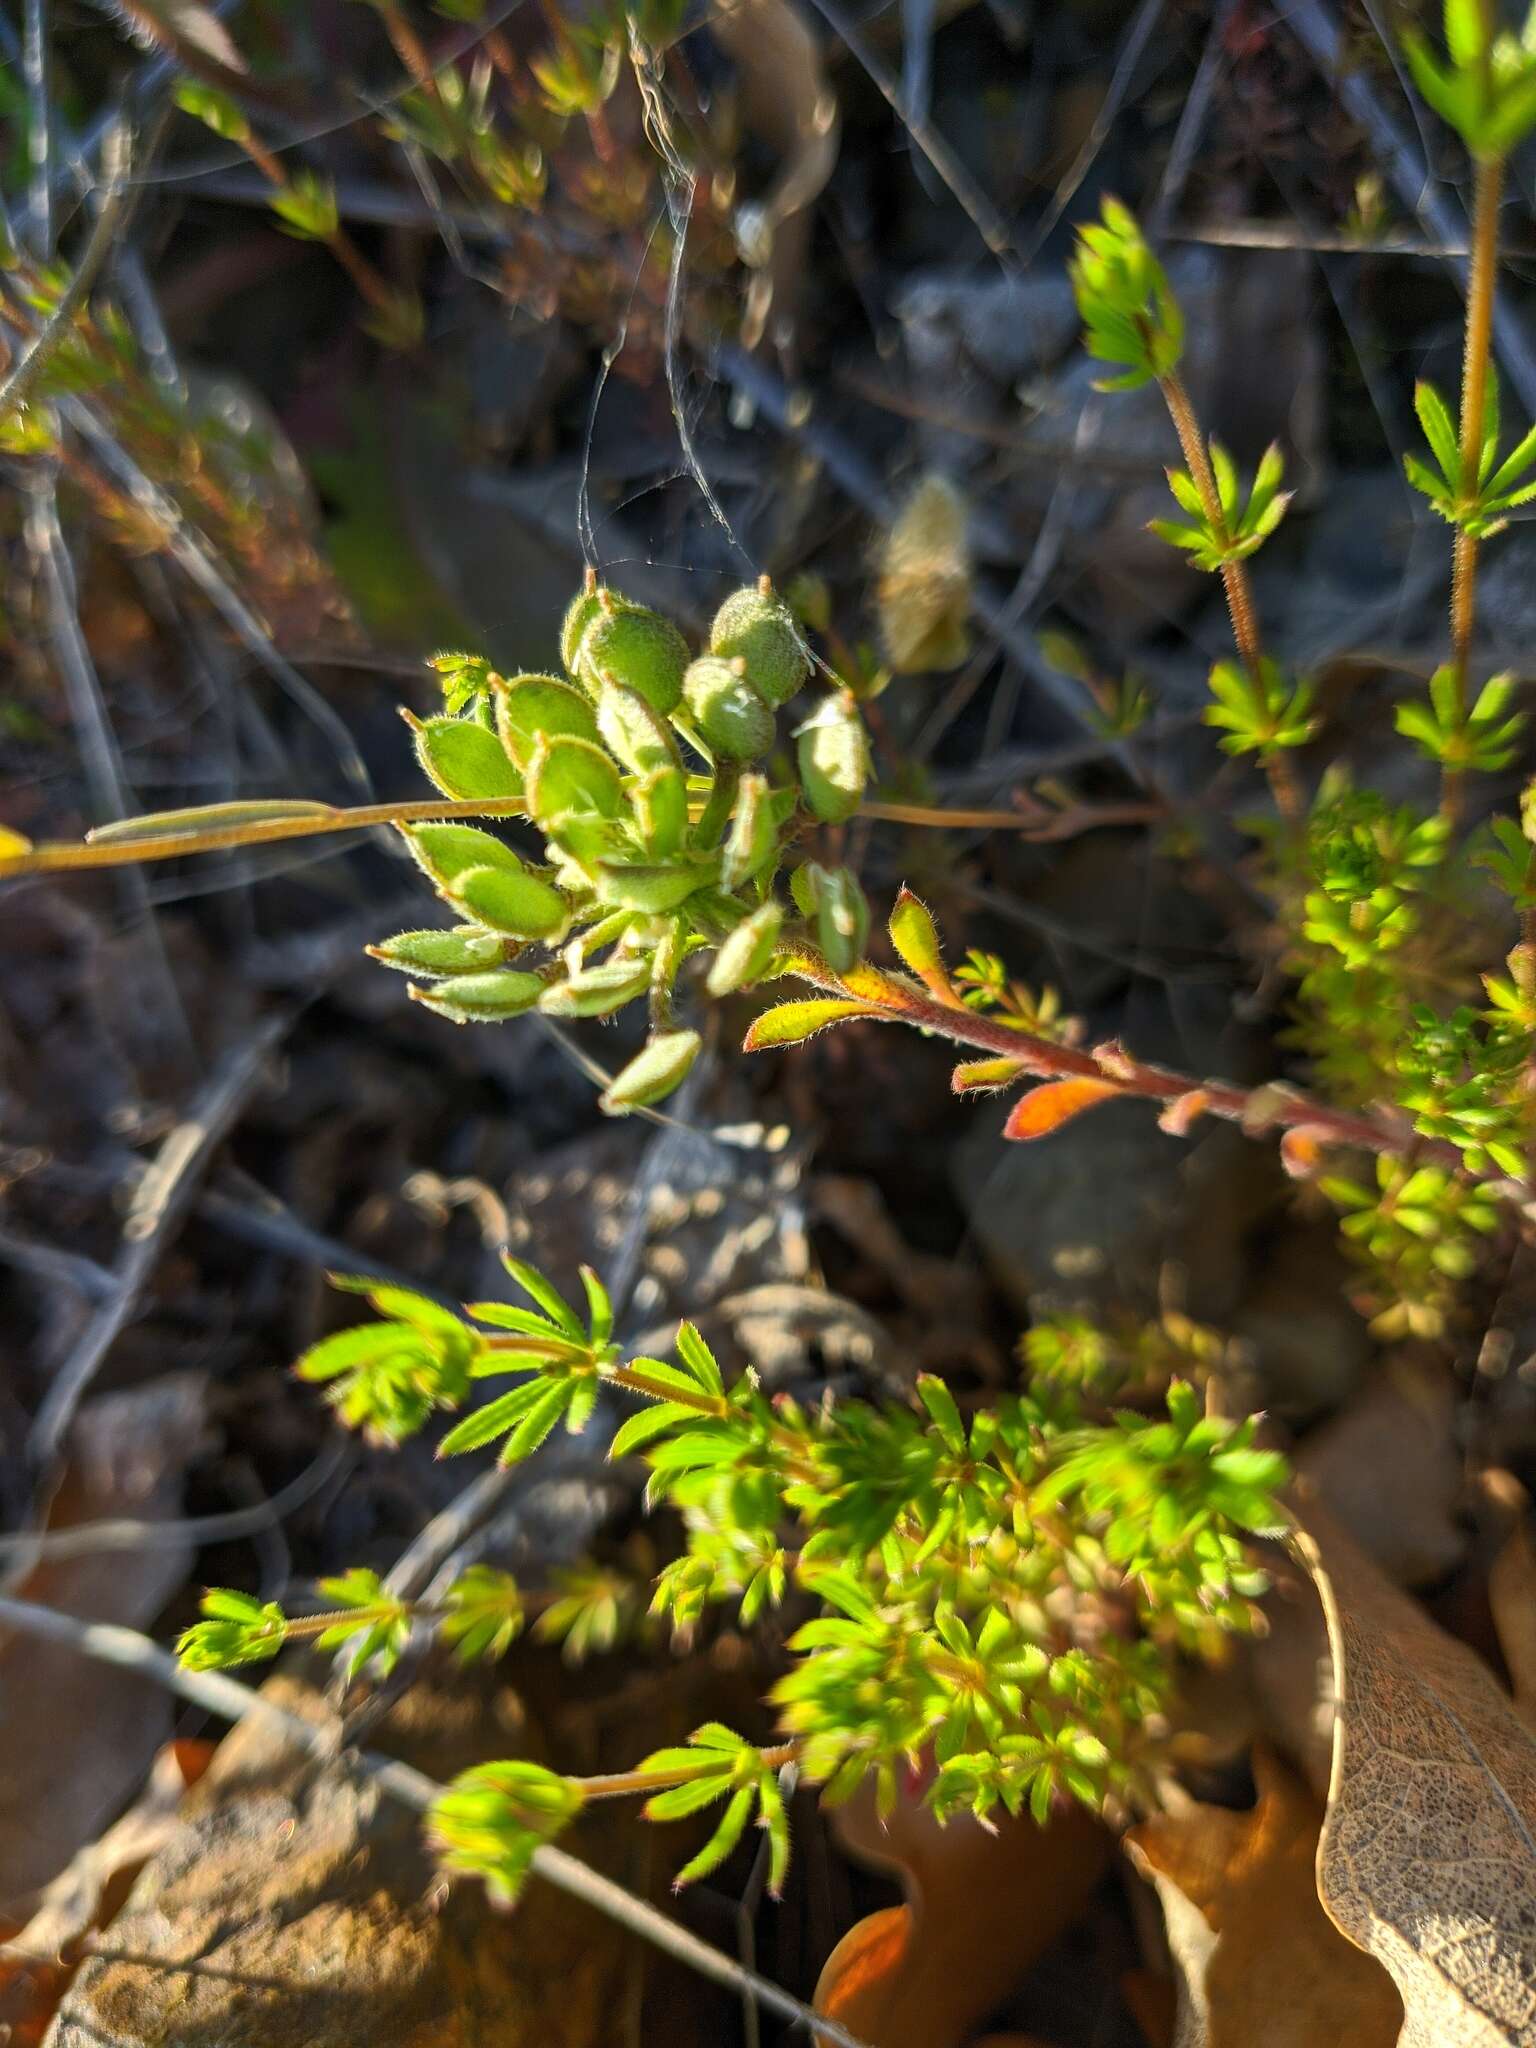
[1234, 580]
[1271, 1107]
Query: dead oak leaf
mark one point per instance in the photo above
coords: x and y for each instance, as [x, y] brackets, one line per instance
[1428, 1851]
[1260, 1964]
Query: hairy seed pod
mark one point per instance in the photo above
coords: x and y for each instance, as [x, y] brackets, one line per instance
[735, 722]
[522, 906]
[466, 950]
[658, 1068]
[636, 648]
[597, 991]
[753, 838]
[531, 708]
[481, 998]
[445, 851]
[842, 917]
[463, 759]
[572, 776]
[746, 953]
[659, 802]
[760, 628]
[626, 885]
[579, 614]
[923, 594]
[833, 752]
[633, 733]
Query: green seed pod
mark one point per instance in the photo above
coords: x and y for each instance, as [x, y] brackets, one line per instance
[638, 649]
[531, 708]
[802, 887]
[572, 776]
[482, 998]
[746, 954]
[580, 613]
[465, 951]
[660, 805]
[833, 751]
[735, 722]
[842, 918]
[522, 906]
[463, 759]
[651, 889]
[753, 839]
[761, 629]
[597, 991]
[445, 851]
[655, 1071]
[633, 733]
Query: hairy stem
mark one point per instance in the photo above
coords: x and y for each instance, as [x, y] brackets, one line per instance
[621, 1784]
[1234, 580]
[1476, 351]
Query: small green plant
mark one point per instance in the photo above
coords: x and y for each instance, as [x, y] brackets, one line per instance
[1001, 1590]
[948, 1577]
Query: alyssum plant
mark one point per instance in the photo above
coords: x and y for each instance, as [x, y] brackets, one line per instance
[1004, 1593]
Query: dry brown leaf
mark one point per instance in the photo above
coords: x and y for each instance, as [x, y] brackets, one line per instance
[981, 1908]
[1261, 1967]
[1428, 1851]
[1512, 1595]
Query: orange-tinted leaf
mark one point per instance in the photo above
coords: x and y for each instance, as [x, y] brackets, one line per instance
[1182, 1111]
[790, 1023]
[1054, 1103]
[973, 1074]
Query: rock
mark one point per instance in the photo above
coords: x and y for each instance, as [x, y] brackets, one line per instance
[297, 1908]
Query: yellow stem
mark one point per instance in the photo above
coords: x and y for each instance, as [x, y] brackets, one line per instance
[68, 854]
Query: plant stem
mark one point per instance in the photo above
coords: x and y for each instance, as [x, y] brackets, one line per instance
[1474, 393]
[620, 1784]
[1271, 1107]
[170, 845]
[1234, 580]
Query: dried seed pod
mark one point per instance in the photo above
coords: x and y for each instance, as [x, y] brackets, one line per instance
[923, 595]
[833, 750]
[734, 720]
[747, 952]
[759, 627]
[654, 1072]
[636, 648]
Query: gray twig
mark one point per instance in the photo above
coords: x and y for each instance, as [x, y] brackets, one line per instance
[116, 152]
[159, 1205]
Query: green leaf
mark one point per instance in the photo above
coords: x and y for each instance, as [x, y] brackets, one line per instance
[720, 1844]
[491, 1421]
[699, 1359]
[792, 1023]
[1439, 430]
[915, 936]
